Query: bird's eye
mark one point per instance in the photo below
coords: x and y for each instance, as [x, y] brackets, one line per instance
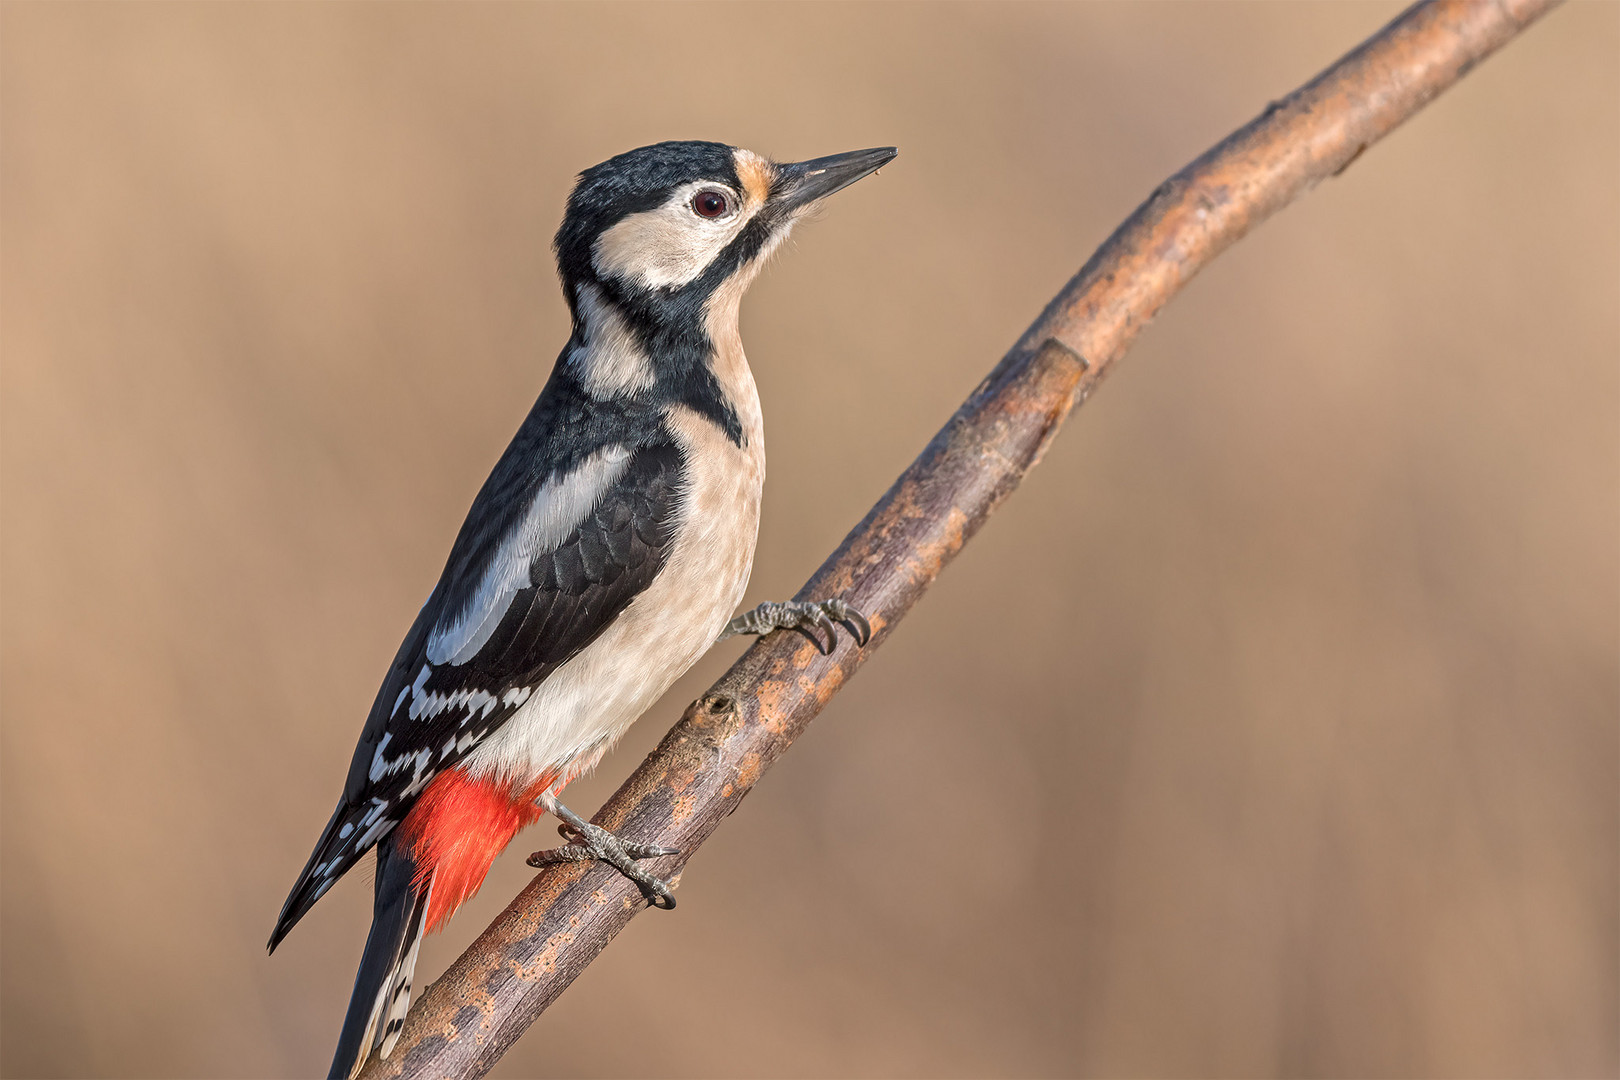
[710, 204]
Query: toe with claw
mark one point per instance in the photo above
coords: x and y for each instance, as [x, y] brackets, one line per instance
[592, 843]
[806, 616]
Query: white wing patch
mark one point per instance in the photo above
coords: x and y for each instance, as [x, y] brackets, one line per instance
[558, 507]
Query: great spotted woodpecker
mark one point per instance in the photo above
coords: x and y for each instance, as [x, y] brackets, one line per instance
[600, 560]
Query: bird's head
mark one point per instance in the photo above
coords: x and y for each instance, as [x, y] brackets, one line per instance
[665, 233]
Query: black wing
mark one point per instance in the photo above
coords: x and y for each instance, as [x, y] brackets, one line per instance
[502, 618]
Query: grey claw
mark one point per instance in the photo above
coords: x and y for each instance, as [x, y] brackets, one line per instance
[822, 622]
[853, 620]
[815, 639]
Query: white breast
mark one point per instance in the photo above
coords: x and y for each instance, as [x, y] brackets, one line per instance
[584, 706]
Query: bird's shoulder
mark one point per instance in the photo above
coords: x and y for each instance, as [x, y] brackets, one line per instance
[575, 520]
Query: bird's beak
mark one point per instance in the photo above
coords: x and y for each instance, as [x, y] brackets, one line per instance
[800, 183]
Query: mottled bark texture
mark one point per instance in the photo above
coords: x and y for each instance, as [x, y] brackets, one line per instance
[728, 739]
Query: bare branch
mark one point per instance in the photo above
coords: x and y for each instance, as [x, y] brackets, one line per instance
[728, 739]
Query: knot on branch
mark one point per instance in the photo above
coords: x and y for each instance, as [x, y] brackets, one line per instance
[712, 719]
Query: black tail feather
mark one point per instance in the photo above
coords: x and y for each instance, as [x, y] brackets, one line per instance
[382, 988]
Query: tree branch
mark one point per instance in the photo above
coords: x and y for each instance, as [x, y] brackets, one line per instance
[726, 740]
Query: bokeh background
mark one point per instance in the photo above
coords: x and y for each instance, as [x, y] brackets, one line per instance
[1271, 729]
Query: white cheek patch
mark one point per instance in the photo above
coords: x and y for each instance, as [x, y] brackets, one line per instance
[611, 361]
[670, 245]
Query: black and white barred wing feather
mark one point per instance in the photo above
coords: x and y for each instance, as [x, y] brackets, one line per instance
[541, 567]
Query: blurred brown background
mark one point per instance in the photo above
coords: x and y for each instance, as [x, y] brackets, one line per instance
[1270, 730]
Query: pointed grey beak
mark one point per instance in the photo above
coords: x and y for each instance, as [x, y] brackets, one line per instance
[803, 182]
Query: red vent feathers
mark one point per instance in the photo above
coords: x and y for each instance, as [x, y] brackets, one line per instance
[456, 829]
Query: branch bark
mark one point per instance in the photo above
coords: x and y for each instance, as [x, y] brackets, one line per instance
[727, 739]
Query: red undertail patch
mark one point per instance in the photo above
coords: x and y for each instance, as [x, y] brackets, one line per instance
[456, 829]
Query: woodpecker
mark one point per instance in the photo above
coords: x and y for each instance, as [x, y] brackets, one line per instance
[601, 558]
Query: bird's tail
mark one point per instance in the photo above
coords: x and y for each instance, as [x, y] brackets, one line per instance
[382, 989]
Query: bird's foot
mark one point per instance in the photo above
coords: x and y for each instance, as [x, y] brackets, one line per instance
[806, 616]
[592, 843]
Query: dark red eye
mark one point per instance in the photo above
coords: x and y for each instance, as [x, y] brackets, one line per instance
[710, 204]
